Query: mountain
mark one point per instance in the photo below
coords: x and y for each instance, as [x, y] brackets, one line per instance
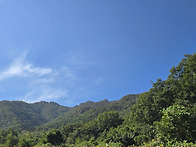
[88, 111]
[49, 110]
[46, 115]
[17, 115]
[20, 115]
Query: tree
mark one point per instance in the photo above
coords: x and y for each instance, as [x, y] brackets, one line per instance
[183, 78]
[109, 119]
[122, 134]
[54, 137]
[11, 138]
[176, 124]
[178, 90]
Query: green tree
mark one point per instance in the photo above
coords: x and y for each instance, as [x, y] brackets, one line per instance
[11, 138]
[122, 134]
[183, 78]
[179, 89]
[54, 137]
[176, 124]
[109, 119]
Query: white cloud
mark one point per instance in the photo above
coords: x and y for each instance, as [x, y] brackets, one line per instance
[65, 84]
[43, 80]
[44, 93]
[40, 84]
[20, 67]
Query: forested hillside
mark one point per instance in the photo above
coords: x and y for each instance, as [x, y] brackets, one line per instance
[163, 116]
[22, 116]
[88, 111]
[19, 115]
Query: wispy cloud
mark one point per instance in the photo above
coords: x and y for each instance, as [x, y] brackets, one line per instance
[40, 84]
[20, 67]
[81, 58]
[44, 93]
[66, 84]
[68, 73]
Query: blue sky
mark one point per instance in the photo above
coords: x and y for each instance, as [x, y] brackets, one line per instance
[72, 51]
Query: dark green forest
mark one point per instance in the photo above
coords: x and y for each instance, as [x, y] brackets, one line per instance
[163, 116]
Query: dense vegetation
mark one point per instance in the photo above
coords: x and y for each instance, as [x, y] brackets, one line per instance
[163, 116]
[19, 115]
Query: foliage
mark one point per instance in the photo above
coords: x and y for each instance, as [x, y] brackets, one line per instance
[176, 124]
[183, 144]
[9, 138]
[107, 120]
[176, 94]
[88, 111]
[122, 134]
[54, 137]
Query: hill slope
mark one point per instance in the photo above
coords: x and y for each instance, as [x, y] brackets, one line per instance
[20, 115]
[46, 115]
[88, 111]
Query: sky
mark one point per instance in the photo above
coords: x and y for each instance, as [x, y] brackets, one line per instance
[73, 51]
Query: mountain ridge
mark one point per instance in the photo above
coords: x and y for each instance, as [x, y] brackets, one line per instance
[21, 115]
